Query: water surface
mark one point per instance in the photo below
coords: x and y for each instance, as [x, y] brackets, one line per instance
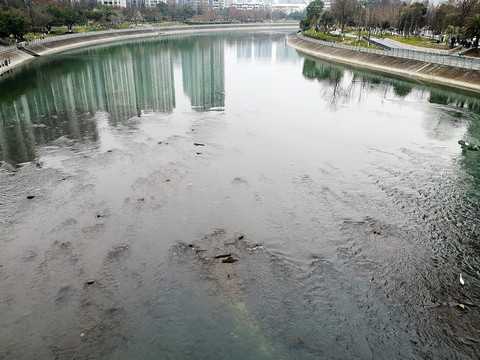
[344, 195]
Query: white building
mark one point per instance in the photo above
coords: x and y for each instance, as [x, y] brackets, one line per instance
[286, 8]
[120, 3]
[125, 3]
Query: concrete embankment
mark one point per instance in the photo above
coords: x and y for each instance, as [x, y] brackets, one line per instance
[441, 74]
[18, 57]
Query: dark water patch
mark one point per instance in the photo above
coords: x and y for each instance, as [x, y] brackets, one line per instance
[264, 303]
[426, 294]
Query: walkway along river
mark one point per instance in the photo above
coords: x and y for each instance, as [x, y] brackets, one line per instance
[425, 67]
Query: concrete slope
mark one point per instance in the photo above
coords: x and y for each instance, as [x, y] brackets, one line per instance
[13, 58]
[441, 74]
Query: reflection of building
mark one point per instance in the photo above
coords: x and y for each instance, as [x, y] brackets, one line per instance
[263, 50]
[203, 73]
[244, 49]
[284, 53]
[122, 81]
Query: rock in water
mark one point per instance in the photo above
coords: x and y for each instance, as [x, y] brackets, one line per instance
[229, 260]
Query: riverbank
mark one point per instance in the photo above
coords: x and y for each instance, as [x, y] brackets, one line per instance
[19, 57]
[424, 71]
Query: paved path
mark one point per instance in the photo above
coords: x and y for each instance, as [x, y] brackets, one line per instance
[399, 45]
[392, 45]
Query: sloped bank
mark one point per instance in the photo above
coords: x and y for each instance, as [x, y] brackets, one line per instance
[18, 57]
[441, 74]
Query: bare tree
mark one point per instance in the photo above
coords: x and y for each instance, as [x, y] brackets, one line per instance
[343, 10]
[465, 8]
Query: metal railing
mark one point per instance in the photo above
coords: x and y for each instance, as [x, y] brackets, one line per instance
[8, 49]
[85, 34]
[448, 60]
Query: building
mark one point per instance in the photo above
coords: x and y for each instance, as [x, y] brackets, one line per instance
[126, 3]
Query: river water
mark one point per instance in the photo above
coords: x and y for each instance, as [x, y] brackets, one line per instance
[344, 195]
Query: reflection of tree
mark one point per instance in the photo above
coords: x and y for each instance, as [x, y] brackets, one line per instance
[471, 164]
[332, 76]
[444, 97]
[470, 159]
[402, 89]
[342, 83]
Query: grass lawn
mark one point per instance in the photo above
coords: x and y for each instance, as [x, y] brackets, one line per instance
[361, 43]
[418, 41]
[322, 36]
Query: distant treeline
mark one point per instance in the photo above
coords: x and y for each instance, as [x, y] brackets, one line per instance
[19, 17]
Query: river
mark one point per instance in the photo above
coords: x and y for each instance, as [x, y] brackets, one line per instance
[223, 196]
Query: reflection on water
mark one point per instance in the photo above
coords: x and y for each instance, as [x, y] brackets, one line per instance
[121, 80]
[350, 85]
[203, 68]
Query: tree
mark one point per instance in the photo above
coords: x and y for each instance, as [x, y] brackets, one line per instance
[152, 14]
[451, 19]
[56, 17]
[464, 8]
[71, 17]
[40, 18]
[473, 29]
[13, 22]
[413, 18]
[454, 33]
[343, 10]
[296, 15]
[327, 20]
[384, 26]
[314, 10]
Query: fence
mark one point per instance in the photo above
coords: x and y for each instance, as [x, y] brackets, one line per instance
[455, 61]
[8, 49]
[78, 35]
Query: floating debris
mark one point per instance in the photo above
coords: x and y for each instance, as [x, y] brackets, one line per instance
[223, 256]
[198, 144]
[229, 260]
[468, 146]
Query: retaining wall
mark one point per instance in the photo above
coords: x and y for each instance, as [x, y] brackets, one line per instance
[419, 70]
